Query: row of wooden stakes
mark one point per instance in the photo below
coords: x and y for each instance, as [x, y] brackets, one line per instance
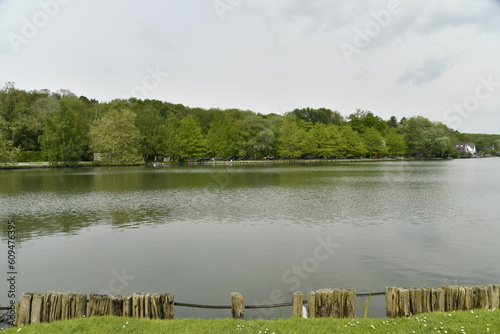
[338, 303]
[404, 302]
[52, 306]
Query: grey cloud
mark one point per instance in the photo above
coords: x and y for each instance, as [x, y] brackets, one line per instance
[319, 14]
[153, 38]
[451, 13]
[434, 65]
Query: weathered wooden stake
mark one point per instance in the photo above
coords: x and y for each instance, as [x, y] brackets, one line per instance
[311, 304]
[237, 305]
[24, 309]
[127, 307]
[404, 303]
[168, 305]
[426, 300]
[415, 301]
[338, 303]
[37, 308]
[469, 298]
[53, 306]
[16, 317]
[116, 305]
[494, 296]
[138, 305]
[391, 302]
[437, 300]
[73, 305]
[156, 306]
[461, 298]
[99, 305]
[481, 297]
[324, 303]
[349, 301]
[298, 302]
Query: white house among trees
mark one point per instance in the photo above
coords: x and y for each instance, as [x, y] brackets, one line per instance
[465, 148]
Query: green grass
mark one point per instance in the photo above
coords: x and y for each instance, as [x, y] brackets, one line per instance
[478, 321]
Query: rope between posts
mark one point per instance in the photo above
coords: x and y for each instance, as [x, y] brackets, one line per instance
[263, 306]
[220, 307]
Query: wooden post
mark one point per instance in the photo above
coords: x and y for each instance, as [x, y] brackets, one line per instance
[311, 304]
[24, 309]
[156, 306]
[391, 302]
[338, 303]
[53, 306]
[404, 302]
[16, 316]
[324, 303]
[448, 298]
[461, 298]
[298, 302]
[237, 305]
[494, 296]
[168, 305]
[481, 297]
[73, 305]
[99, 305]
[80, 302]
[437, 300]
[127, 307]
[139, 305]
[65, 306]
[147, 305]
[415, 301]
[47, 305]
[426, 300]
[37, 308]
[349, 301]
[469, 298]
[116, 305]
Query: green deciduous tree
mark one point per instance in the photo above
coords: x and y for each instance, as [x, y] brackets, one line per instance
[150, 125]
[116, 138]
[321, 115]
[361, 120]
[8, 153]
[374, 142]
[191, 142]
[294, 141]
[425, 138]
[326, 140]
[170, 145]
[64, 140]
[222, 139]
[261, 136]
[394, 142]
[354, 145]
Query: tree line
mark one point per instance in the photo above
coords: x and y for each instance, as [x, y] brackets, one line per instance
[64, 129]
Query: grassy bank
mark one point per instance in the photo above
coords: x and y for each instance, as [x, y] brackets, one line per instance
[477, 321]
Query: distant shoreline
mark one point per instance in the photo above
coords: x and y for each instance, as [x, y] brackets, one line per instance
[47, 165]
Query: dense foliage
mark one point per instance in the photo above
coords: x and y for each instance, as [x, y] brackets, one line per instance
[66, 129]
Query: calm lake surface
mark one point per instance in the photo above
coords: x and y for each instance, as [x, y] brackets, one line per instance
[264, 230]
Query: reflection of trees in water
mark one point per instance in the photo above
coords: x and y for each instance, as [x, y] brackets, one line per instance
[136, 219]
[71, 223]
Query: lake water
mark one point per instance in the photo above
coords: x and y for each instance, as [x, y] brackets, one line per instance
[264, 230]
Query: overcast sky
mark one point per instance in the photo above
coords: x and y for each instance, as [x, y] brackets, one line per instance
[439, 59]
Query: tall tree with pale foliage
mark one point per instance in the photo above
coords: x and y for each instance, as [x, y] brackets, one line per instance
[116, 138]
